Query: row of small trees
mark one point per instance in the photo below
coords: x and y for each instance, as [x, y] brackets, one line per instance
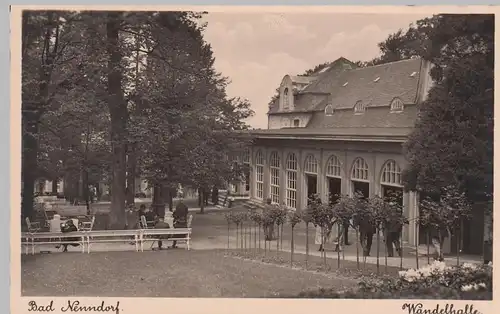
[359, 213]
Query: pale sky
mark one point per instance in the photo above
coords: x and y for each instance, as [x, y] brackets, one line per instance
[255, 50]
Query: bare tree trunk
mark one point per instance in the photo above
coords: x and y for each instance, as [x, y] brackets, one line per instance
[339, 245]
[159, 199]
[131, 173]
[357, 246]
[118, 112]
[29, 159]
[307, 243]
[54, 186]
[292, 245]
[202, 202]
[428, 247]
[378, 250]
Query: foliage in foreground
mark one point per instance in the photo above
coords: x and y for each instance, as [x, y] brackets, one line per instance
[435, 281]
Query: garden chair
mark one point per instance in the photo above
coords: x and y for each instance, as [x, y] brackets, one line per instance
[88, 225]
[146, 224]
[48, 215]
[32, 226]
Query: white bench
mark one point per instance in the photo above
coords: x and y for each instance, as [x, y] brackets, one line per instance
[53, 238]
[112, 236]
[155, 234]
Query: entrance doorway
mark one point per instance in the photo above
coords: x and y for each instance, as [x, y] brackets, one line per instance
[361, 187]
[334, 189]
[394, 192]
[312, 186]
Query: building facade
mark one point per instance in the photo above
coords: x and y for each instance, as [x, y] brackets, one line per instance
[340, 131]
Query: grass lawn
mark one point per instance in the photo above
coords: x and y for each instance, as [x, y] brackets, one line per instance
[171, 273]
[316, 263]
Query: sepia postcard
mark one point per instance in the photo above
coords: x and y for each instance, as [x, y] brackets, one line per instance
[241, 159]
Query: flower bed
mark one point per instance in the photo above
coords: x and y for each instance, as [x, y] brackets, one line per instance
[435, 281]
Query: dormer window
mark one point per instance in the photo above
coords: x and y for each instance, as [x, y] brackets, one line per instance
[286, 99]
[296, 123]
[397, 105]
[329, 110]
[359, 108]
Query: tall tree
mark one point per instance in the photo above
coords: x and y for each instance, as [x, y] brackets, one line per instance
[49, 65]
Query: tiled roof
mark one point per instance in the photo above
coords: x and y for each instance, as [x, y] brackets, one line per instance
[359, 85]
[395, 81]
[377, 117]
[314, 89]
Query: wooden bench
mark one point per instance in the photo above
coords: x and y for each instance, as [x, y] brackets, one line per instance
[112, 236]
[52, 238]
[156, 234]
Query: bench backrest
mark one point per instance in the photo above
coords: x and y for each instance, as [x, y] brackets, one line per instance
[47, 235]
[112, 233]
[166, 231]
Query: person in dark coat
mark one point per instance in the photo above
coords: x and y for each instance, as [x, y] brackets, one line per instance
[367, 229]
[215, 195]
[268, 226]
[392, 234]
[180, 219]
[67, 227]
[161, 224]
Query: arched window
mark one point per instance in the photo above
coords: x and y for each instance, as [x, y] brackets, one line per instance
[291, 181]
[359, 170]
[397, 105]
[391, 174]
[359, 107]
[329, 110]
[274, 166]
[311, 165]
[259, 173]
[333, 167]
[286, 99]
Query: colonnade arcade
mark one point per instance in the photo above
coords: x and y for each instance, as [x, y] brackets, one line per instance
[291, 176]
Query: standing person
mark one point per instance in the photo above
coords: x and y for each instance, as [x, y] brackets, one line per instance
[322, 232]
[215, 195]
[268, 226]
[366, 231]
[180, 218]
[346, 232]
[392, 233]
[438, 233]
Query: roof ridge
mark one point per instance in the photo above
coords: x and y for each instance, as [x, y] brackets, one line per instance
[384, 64]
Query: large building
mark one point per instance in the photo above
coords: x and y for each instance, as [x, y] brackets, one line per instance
[338, 131]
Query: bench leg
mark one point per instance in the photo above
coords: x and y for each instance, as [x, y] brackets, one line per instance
[142, 243]
[136, 243]
[188, 243]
